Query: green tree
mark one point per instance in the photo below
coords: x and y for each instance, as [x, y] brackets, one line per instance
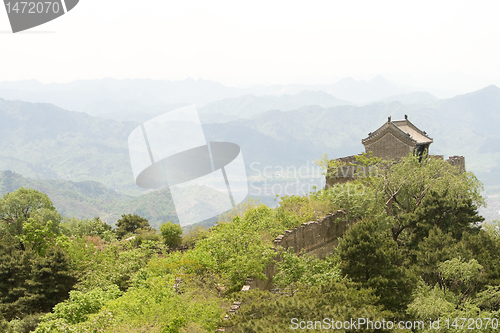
[485, 246]
[305, 269]
[37, 236]
[172, 234]
[262, 311]
[15, 269]
[368, 255]
[129, 224]
[456, 296]
[451, 214]
[194, 235]
[30, 283]
[237, 250]
[406, 185]
[79, 306]
[51, 279]
[17, 207]
[434, 249]
[89, 227]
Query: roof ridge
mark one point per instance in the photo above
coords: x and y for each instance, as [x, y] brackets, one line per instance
[388, 126]
[409, 123]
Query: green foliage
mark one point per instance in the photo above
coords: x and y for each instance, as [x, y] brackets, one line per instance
[369, 256]
[172, 234]
[26, 325]
[115, 264]
[153, 305]
[129, 224]
[146, 235]
[194, 235]
[30, 283]
[305, 269]
[36, 235]
[436, 248]
[17, 207]
[239, 210]
[237, 249]
[405, 186]
[460, 277]
[181, 264]
[51, 280]
[340, 301]
[355, 199]
[456, 296]
[454, 215]
[78, 307]
[15, 269]
[88, 227]
[485, 247]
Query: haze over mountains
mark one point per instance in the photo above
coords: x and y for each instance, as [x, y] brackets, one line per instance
[286, 128]
[107, 96]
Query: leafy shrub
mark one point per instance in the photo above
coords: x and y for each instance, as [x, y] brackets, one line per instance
[154, 306]
[129, 223]
[194, 235]
[26, 325]
[305, 269]
[89, 227]
[172, 234]
[146, 234]
[237, 249]
[78, 307]
[116, 264]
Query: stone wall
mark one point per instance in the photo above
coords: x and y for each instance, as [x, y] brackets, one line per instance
[458, 161]
[318, 238]
[345, 170]
[348, 169]
[389, 147]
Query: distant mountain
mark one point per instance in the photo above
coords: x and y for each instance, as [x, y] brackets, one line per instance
[348, 89]
[46, 142]
[250, 105]
[466, 124]
[336, 130]
[42, 141]
[417, 98]
[80, 95]
[89, 199]
[137, 99]
[127, 110]
[363, 91]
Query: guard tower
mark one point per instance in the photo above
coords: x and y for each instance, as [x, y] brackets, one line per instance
[395, 139]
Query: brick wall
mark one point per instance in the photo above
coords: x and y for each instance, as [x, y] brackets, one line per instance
[389, 147]
[318, 238]
[458, 161]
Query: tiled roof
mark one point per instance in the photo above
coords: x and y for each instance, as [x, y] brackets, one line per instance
[402, 127]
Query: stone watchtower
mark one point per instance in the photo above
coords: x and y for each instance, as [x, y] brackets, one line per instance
[396, 139]
[392, 141]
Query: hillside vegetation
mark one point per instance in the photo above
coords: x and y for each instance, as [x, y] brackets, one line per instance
[417, 252]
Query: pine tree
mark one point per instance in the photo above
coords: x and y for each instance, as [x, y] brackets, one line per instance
[50, 281]
[371, 257]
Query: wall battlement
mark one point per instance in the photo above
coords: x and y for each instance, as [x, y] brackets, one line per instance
[318, 238]
[347, 168]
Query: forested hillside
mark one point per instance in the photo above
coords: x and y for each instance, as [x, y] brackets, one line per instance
[416, 253]
[92, 199]
[41, 141]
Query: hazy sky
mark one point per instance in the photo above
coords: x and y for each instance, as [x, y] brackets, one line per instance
[436, 44]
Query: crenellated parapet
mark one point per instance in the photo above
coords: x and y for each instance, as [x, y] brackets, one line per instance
[458, 161]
